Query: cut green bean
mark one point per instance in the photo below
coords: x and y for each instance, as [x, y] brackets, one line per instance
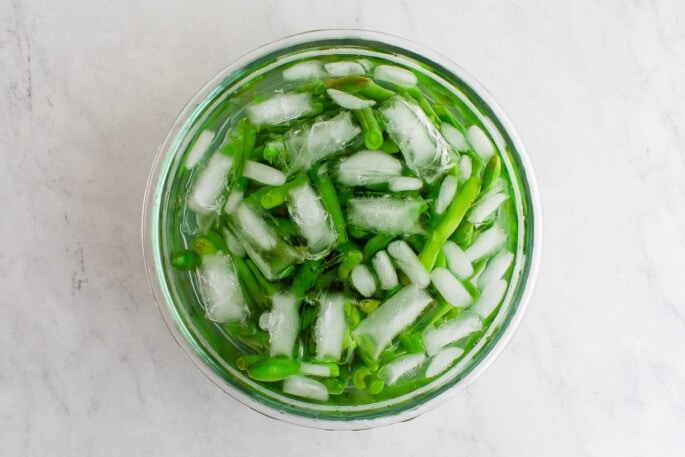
[376, 92]
[273, 370]
[375, 244]
[185, 260]
[276, 196]
[450, 221]
[373, 136]
[492, 171]
[209, 243]
[329, 197]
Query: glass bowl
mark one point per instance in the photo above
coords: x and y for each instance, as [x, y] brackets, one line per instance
[196, 335]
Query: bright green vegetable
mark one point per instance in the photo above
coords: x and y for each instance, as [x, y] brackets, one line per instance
[373, 136]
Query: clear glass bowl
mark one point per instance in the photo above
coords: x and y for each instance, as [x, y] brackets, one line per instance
[193, 333]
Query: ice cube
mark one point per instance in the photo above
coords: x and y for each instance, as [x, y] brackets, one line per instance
[259, 239]
[485, 207]
[454, 137]
[480, 142]
[330, 328]
[442, 361]
[495, 268]
[233, 200]
[489, 298]
[363, 280]
[282, 323]
[448, 190]
[487, 242]
[385, 214]
[395, 75]
[234, 246]
[302, 386]
[450, 288]
[451, 331]
[316, 369]
[207, 190]
[314, 223]
[465, 168]
[318, 140]
[310, 69]
[457, 260]
[404, 183]
[344, 68]
[263, 173]
[390, 318]
[402, 367]
[281, 108]
[385, 270]
[368, 167]
[367, 64]
[407, 261]
[425, 150]
[349, 101]
[204, 140]
[219, 289]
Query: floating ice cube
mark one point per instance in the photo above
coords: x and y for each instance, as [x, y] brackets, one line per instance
[344, 68]
[457, 260]
[263, 173]
[302, 386]
[395, 75]
[450, 288]
[281, 108]
[404, 183]
[316, 369]
[465, 168]
[403, 366]
[385, 270]
[204, 140]
[442, 361]
[367, 64]
[282, 323]
[207, 190]
[487, 243]
[233, 244]
[233, 200]
[349, 101]
[495, 269]
[260, 240]
[454, 137]
[314, 223]
[310, 69]
[485, 207]
[220, 289]
[425, 150]
[318, 140]
[436, 338]
[409, 263]
[330, 327]
[390, 318]
[385, 215]
[448, 190]
[363, 280]
[489, 298]
[368, 167]
[480, 142]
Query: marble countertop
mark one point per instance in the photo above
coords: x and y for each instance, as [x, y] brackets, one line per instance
[90, 88]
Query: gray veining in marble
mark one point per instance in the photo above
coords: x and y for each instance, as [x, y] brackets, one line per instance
[88, 90]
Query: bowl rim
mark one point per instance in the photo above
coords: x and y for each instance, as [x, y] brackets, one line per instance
[151, 198]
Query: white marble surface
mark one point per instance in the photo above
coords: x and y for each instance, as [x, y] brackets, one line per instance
[89, 88]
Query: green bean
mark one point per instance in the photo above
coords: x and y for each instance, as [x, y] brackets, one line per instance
[369, 305]
[373, 136]
[446, 116]
[375, 385]
[334, 386]
[389, 146]
[463, 236]
[313, 87]
[492, 171]
[243, 138]
[185, 260]
[306, 277]
[376, 92]
[277, 195]
[272, 370]
[250, 283]
[352, 315]
[476, 163]
[246, 361]
[359, 374]
[209, 243]
[375, 244]
[329, 198]
[273, 150]
[450, 221]
[351, 259]
[417, 95]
